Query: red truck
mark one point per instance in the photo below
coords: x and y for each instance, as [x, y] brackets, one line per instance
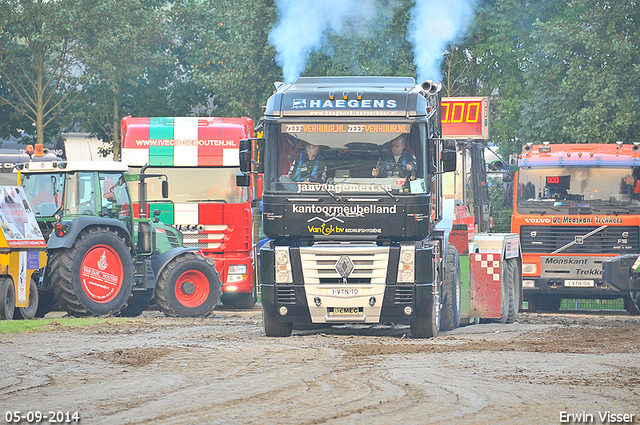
[200, 158]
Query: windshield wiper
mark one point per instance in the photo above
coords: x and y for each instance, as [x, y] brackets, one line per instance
[222, 201]
[388, 192]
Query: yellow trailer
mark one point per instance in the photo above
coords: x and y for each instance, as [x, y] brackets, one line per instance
[23, 250]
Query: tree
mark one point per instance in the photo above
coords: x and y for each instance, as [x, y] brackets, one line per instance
[585, 77]
[126, 47]
[41, 73]
[222, 48]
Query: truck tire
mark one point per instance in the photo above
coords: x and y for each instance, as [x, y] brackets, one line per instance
[7, 298]
[138, 303]
[428, 325]
[188, 286]
[241, 300]
[450, 315]
[29, 312]
[95, 276]
[272, 327]
[514, 289]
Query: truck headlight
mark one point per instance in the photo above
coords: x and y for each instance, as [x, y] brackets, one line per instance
[283, 265]
[236, 273]
[529, 268]
[406, 265]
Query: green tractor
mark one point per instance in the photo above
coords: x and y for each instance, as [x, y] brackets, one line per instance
[106, 256]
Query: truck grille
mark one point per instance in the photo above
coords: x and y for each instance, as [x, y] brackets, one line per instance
[369, 264]
[610, 240]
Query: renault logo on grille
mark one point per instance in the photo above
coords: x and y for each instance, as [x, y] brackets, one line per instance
[344, 267]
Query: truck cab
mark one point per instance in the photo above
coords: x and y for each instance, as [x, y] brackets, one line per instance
[351, 197]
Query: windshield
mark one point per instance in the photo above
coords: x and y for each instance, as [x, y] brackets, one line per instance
[578, 187]
[345, 157]
[191, 184]
[44, 192]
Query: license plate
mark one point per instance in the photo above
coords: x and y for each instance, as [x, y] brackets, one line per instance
[345, 311]
[579, 283]
[345, 291]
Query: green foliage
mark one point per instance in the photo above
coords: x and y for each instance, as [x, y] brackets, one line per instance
[16, 326]
[40, 70]
[563, 71]
[501, 214]
[585, 76]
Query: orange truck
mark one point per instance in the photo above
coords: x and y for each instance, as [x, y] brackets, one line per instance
[574, 207]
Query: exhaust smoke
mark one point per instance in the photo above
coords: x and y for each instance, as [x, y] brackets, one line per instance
[433, 24]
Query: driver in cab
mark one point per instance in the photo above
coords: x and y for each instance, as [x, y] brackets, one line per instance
[398, 162]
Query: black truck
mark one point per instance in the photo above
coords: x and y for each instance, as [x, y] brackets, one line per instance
[352, 195]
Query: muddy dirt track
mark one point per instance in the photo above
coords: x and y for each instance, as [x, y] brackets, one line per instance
[222, 370]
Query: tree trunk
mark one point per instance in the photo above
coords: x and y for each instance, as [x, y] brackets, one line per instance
[116, 128]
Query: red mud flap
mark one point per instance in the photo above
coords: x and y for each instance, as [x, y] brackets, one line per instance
[486, 289]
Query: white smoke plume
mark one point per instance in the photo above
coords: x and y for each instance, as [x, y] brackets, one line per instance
[433, 24]
[303, 25]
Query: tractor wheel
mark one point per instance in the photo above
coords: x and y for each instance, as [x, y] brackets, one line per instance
[428, 325]
[95, 276]
[7, 298]
[188, 286]
[274, 328]
[29, 312]
[514, 289]
[450, 315]
[138, 303]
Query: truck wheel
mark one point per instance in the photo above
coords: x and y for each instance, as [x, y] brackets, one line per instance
[7, 298]
[138, 303]
[188, 286]
[274, 328]
[450, 316]
[428, 325]
[29, 312]
[514, 290]
[95, 276]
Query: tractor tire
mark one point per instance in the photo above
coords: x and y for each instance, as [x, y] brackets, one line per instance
[450, 315]
[428, 325]
[514, 289]
[95, 276]
[189, 286]
[7, 298]
[29, 312]
[272, 327]
[138, 303]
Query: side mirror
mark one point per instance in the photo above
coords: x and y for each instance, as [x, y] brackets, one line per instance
[243, 180]
[508, 177]
[245, 155]
[449, 156]
[165, 189]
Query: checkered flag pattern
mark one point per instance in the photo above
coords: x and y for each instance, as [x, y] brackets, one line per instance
[490, 263]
